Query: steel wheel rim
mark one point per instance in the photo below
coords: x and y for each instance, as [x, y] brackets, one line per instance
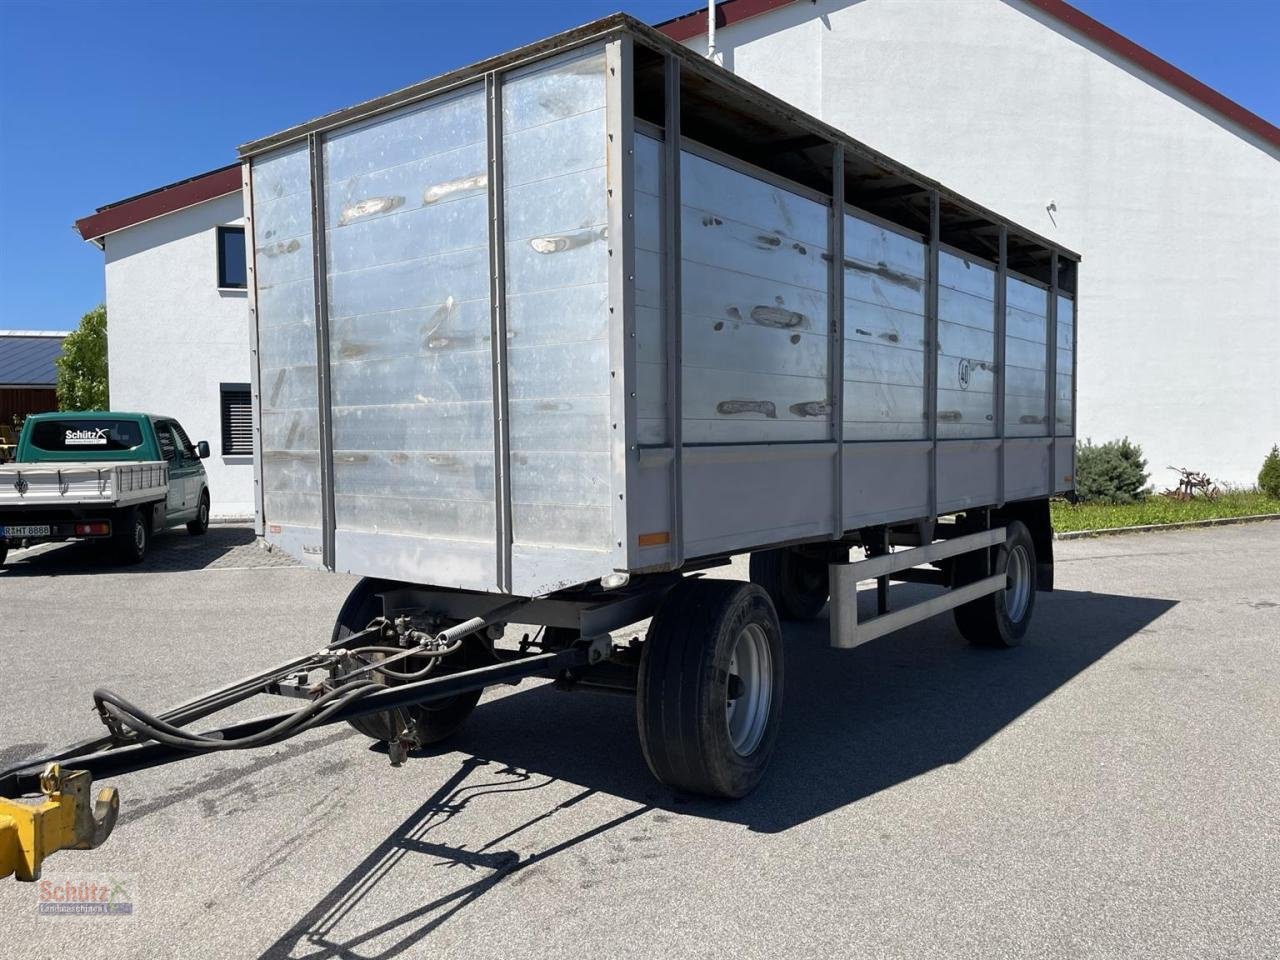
[139, 536]
[204, 511]
[1017, 591]
[747, 714]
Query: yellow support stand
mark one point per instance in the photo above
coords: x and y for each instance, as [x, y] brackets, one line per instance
[65, 819]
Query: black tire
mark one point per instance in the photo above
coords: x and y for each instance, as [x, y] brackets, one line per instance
[799, 585]
[132, 534]
[435, 721]
[1001, 619]
[4, 552]
[685, 687]
[200, 525]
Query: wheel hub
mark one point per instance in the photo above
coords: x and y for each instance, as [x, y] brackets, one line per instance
[750, 689]
[1017, 591]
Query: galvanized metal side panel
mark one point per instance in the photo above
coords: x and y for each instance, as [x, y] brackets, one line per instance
[556, 236]
[1065, 467]
[407, 254]
[966, 348]
[1064, 419]
[968, 473]
[1026, 326]
[884, 333]
[754, 281]
[655, 515]
[885, 482]
[651, 318]
[288, 387]
[1026, 467]
[466, 564]
[741, 497]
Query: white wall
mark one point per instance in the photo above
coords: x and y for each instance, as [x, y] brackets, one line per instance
[173, 337]
[1175, 210]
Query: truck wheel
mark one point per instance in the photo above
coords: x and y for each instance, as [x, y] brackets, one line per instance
[799, 585]
[132, 534]
[709, 691]
[200, 524]
[4, 552]
[435, 721]
[1001, 619]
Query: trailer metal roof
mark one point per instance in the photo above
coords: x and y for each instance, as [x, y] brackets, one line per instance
[739, 107]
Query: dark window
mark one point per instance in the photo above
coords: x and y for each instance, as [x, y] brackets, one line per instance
[184, 442]
[87, 435]
[165, 438]
[237, 420]
[231, 262]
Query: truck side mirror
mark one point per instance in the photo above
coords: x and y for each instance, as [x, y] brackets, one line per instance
[202, 449]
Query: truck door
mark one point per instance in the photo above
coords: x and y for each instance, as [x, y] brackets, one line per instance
[169, 450]
[192, 473]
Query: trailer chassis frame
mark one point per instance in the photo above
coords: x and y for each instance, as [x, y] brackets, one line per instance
[575, 650]
[66, 818]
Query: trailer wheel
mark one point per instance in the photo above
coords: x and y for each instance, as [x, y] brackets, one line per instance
[709, 691]
[132, 534]
[799, 585]
[1000, 619]
[436, 721]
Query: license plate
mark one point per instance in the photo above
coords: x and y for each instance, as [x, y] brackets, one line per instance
[17, 533]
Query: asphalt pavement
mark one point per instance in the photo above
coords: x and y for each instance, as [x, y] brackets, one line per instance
[1109, 789]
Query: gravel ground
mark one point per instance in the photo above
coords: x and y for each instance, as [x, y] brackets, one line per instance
[1106, 790]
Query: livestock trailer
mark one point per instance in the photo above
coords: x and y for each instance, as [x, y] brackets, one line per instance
[539, 340]
[597, 312]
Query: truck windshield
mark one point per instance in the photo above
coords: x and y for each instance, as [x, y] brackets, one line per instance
[58, 436]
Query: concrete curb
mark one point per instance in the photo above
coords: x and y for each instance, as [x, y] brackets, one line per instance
[1153, 527]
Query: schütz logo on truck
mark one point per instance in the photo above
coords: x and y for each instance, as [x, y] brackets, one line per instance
[87, 438]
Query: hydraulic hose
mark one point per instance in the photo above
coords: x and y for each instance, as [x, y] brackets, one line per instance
[313, 714]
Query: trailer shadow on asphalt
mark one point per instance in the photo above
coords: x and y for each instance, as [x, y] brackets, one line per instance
[855, 722]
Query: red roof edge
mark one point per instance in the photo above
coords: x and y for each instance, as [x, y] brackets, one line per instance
[735, 11]
[1166, 71]
[158, 202]
[693, 24]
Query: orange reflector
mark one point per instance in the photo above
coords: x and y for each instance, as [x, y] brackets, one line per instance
[655, 539]
[274, 528]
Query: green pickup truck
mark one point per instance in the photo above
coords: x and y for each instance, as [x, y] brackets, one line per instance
[114, 477]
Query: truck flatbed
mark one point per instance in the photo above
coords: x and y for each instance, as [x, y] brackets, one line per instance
[78, 484]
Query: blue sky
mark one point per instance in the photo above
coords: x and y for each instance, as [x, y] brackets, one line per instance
[99, 101]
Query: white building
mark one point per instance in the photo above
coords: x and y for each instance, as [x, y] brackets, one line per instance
[1170, 191]
[178, 319]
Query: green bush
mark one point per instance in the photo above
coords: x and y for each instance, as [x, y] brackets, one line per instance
[1269, 476]
[1111, 472]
